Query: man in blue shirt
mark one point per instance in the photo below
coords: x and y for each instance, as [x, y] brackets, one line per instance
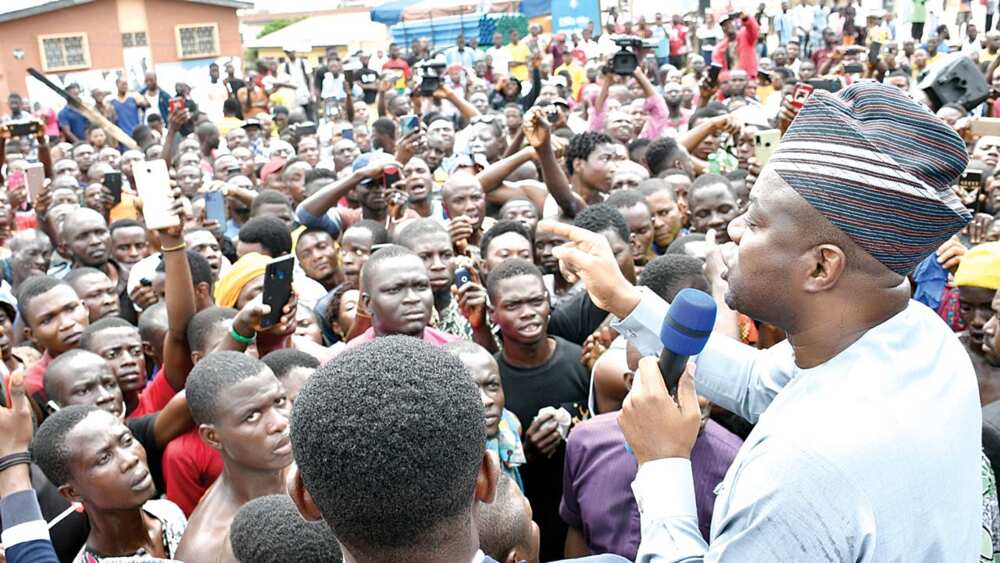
[127, 105]
[71, 122]
[461, 54]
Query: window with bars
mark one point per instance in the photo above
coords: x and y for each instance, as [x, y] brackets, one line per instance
[64, 52]
[134, 39]
[197, 40]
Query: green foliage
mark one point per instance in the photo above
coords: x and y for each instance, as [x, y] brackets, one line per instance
[275, 25]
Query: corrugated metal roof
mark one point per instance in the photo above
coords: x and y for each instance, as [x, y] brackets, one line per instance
[17, 9]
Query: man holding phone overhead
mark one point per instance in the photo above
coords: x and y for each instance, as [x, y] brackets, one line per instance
[738, 47]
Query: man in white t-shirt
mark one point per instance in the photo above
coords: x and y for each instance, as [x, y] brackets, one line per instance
[211, 96]
[294, 73]
[499, 55]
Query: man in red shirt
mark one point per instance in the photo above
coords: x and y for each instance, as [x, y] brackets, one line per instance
[119, 343]
[55, 319]
[397, 62]
[396, 291]
[738, 49]
[678, 41]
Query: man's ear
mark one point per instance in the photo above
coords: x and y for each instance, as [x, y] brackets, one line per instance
[300, 496]
[628, 377]
[29, 335]
[196, 357]
[210, 436]
[367, 300]
[63, 249]
[828, 264]
[486, 479]
[69, 493]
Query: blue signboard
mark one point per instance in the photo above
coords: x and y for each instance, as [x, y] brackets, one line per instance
[571, 16]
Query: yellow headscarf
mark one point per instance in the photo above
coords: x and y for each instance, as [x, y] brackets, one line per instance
[247, 268]
[980, 267]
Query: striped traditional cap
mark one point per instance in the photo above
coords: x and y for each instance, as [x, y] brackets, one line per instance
[880, 167]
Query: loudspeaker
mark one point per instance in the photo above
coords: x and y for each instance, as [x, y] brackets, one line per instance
[955, 80]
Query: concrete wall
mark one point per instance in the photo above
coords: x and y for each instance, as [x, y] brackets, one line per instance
[99, 20]
[104, 21]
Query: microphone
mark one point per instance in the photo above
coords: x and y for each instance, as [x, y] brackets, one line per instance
[685, 331]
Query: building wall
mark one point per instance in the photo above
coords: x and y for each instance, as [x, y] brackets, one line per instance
[104, 21]
[96, 19]
[163, 16]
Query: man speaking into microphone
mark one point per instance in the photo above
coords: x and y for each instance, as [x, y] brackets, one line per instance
[867, 438]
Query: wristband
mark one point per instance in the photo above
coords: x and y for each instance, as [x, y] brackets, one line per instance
[244, 340]
[180, 246]
[11, 460]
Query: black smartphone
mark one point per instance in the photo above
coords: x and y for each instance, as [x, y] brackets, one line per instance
[27, 128]
[854, 68]
[277, 287]
[113, 181]
[713, 74]
[390, 175]
[971, 184]
[462, 277]
[305, 128]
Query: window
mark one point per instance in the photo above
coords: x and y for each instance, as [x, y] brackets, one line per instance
[134, 39]
[67, 51]
[197, 40]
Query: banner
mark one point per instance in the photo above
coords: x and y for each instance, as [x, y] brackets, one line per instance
[571, 16]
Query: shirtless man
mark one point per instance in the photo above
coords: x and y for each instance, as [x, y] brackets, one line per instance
[250, 430]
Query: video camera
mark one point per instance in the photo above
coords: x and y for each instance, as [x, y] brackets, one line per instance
[625, 61]
[430, 73]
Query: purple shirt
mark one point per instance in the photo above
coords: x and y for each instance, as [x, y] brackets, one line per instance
[597, 482]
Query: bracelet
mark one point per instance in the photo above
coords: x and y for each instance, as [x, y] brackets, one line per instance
[11, 460]
[244, 340]
[180, 246]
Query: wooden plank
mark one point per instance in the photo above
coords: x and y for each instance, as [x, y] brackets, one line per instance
[94, 116]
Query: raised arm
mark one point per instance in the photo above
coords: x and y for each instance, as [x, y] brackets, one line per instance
[528, 99]
[323, 200]
[26, 536]
[467, 110]
[174, 420]
[693, 137]
[175, 121]
[179, 289]
[536, 129]
[599, 111]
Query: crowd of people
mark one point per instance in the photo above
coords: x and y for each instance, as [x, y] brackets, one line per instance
[485, 241]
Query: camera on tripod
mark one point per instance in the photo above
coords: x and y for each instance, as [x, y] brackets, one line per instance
[430, 73]
[626, 60]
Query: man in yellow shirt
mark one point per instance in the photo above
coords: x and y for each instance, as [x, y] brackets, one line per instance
[577, 74]
[520, 54]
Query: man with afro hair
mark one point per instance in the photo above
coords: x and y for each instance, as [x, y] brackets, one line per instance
[395, 462]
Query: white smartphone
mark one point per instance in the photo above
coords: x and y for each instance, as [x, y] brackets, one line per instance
[34, 174]
[764, 144]
[152, 181]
